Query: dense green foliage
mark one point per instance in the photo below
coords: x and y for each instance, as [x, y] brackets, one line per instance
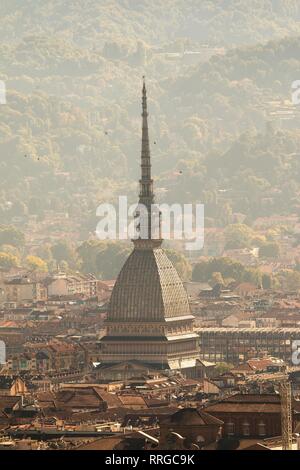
[229, 269]
[71, 127]
[223, 130]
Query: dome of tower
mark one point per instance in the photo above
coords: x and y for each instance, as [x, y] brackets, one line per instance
[148, 289]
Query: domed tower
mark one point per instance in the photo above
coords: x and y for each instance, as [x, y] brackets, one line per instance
[149, 320]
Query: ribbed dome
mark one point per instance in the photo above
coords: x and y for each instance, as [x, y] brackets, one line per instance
[148, 289]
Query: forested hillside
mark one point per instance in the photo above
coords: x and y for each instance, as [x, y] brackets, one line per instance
[70, 131]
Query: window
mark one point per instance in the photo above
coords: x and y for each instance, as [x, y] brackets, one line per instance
[246, 428]
[261, 428]
[230, 428]
[200, 441]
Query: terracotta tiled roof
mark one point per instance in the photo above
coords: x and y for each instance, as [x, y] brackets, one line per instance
[242, 368]
[86, 398]
[111, 399]
[247, 403]
[252, 398]
[192, 416]
[59, 347]
[7, 401]
[9, 324]
[108, 443]
[132, 400]
[244, 407]
[260, 364]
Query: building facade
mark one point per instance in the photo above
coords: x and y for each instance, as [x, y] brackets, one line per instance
[250, 416]
[234, 345]
[22, 290]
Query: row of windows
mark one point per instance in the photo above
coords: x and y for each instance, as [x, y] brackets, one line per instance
[134, 349]
[224, 343]
[145, 348]
[246, 428]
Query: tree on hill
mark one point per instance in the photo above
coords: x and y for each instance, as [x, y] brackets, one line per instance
[64, 251]
[238, 236]
[227, 268]
[7, 260]
[36, 264]
[9, 235]
[269, 250]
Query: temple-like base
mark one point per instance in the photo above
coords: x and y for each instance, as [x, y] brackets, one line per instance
[128, 370]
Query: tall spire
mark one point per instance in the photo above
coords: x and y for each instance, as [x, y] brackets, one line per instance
[146, 182]
[146, 196]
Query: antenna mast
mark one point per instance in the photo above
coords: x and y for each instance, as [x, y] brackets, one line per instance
[286, 413]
